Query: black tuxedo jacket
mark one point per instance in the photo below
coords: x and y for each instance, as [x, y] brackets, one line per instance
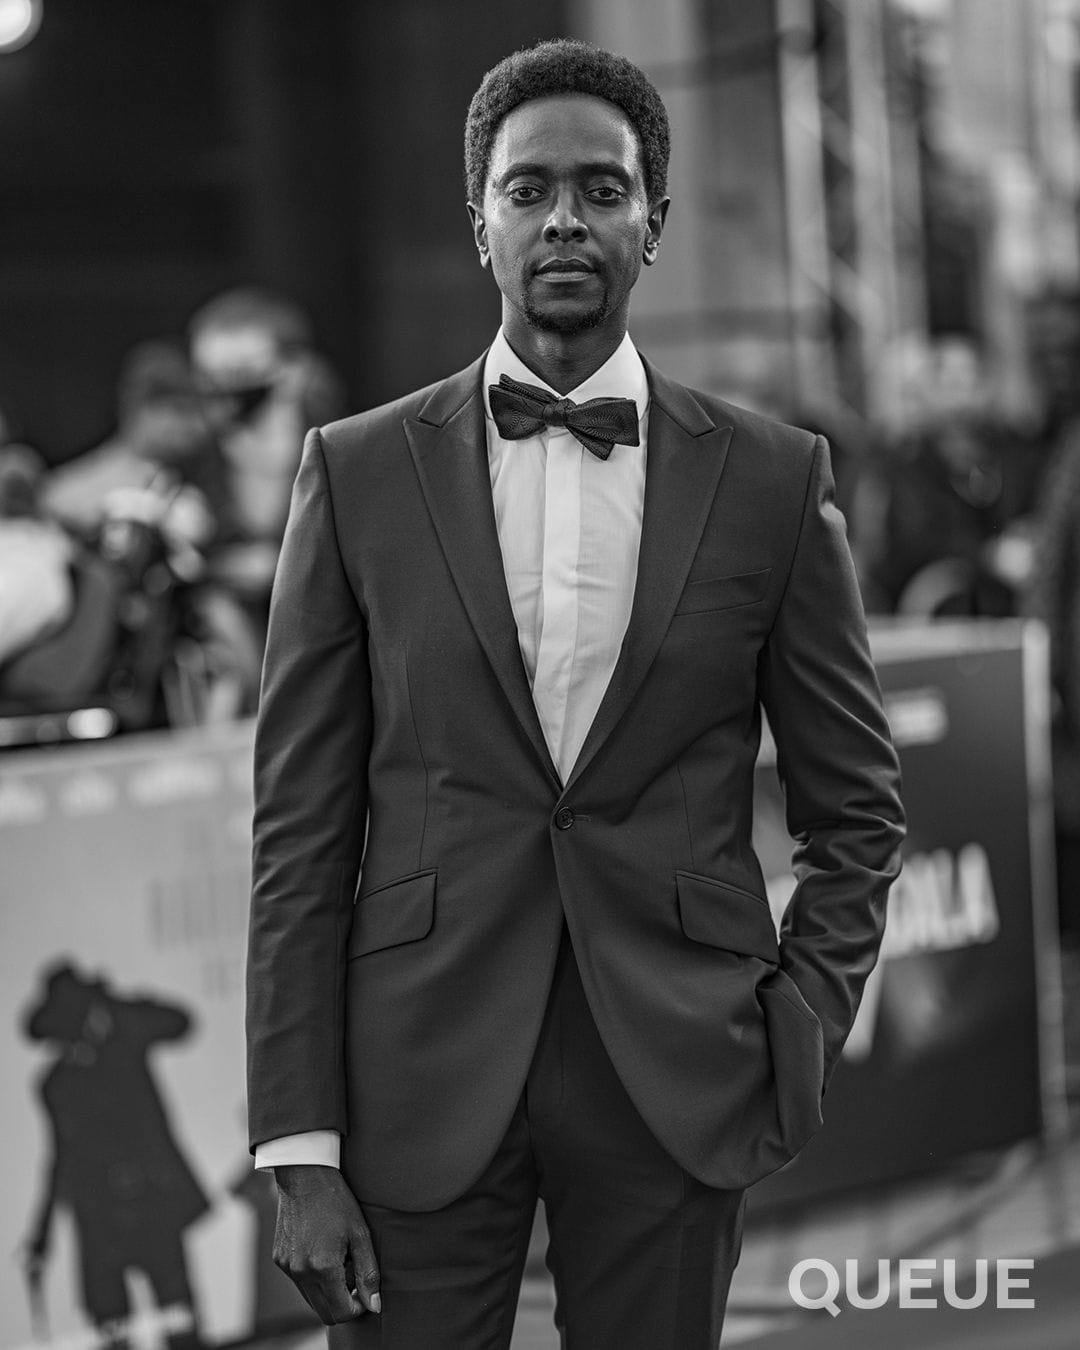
[416, 855]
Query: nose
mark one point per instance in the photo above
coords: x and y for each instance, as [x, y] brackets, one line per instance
[563, 224]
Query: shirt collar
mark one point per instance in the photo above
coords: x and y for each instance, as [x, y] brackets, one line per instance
[621, 376]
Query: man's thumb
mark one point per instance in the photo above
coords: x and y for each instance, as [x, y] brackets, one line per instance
[366, 1270]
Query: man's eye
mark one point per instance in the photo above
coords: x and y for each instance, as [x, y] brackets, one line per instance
[606, 193]
[524, 192]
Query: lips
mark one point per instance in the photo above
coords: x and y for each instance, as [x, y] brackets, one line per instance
[555, 266]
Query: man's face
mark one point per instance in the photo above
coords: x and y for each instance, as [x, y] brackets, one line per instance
[565, 223]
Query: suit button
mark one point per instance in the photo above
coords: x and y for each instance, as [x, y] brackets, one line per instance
[564, 817]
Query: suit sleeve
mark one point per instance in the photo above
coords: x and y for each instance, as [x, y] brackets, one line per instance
[312, 740]
[837, 765]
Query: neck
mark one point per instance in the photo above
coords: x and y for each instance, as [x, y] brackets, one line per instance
[562, 360]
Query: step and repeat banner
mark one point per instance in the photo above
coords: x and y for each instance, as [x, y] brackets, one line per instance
[131, 1209]
[129, 1198]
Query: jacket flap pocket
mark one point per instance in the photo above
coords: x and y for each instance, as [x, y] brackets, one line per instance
[401, 911]
[726, 916]
[745, 588]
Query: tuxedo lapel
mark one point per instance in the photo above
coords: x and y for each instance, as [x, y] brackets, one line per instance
[685, 458]
[449, 448]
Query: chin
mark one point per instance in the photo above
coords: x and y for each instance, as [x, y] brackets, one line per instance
[565, 319]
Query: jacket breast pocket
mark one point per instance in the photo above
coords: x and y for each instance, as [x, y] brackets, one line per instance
[744, 588]
[398, 912]
[721, 915]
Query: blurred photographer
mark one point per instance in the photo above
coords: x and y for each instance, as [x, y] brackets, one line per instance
[163, 431]
[939, 513]
[36, 595]
[264, 386]
[151, 635]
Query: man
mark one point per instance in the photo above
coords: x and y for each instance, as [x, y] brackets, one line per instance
[523, 626]
[254, 361]
[163, 437]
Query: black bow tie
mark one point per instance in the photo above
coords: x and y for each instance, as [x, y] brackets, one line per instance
[521, 410]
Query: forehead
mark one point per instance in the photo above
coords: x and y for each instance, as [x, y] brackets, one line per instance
[563, 129]
[247, 345]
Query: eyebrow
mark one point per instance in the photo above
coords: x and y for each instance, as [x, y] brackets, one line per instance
[598, 168]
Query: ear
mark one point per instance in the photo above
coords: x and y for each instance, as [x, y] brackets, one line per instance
[653, 230]
[479, 232]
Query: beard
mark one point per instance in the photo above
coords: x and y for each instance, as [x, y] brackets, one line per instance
[565, 321]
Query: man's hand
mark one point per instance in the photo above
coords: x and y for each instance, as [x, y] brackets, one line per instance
[322, 1243]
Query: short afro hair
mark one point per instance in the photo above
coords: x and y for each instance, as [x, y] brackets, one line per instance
[566, 66]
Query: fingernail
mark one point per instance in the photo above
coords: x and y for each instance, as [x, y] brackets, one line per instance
[376, 1303]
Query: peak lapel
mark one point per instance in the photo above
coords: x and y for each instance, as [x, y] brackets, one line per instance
[449, 449]
[685, 458]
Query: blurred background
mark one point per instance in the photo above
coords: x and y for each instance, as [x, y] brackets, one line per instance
[225, 221]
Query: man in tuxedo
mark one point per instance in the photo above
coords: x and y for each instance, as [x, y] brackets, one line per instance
[509, 937]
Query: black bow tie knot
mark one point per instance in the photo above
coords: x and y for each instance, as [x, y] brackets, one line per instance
[521, 410]
[556, 414]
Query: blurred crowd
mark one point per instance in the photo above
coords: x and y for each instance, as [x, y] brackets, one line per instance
[135, 578]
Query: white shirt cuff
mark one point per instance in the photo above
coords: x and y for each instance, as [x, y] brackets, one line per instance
[320, 1147]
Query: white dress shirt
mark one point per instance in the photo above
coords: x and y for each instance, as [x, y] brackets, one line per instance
[569, 527]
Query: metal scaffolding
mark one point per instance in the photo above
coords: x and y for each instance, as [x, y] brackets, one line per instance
[850, 257]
